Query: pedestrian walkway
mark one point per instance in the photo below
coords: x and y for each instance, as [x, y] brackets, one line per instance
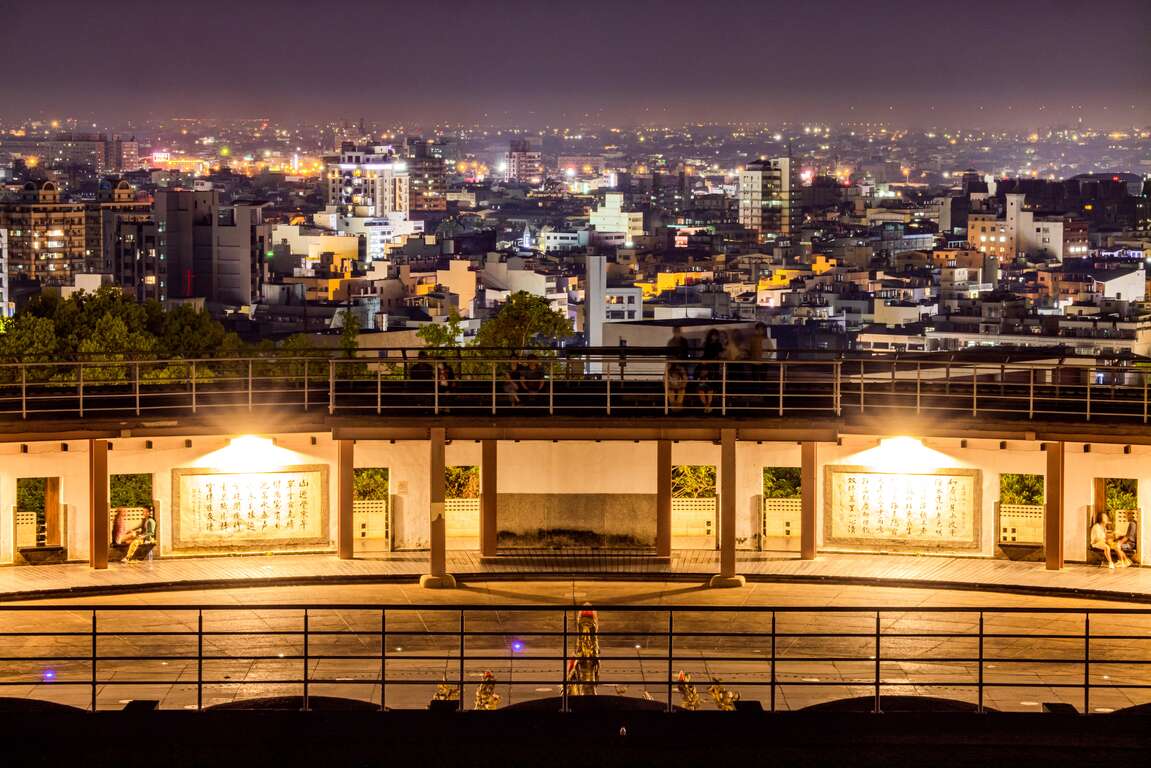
[26, 582]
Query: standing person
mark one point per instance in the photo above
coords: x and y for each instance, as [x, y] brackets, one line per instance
[422, 377]
[146, 534]
[707, 372]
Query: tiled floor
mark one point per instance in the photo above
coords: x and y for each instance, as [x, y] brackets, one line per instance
[1126, 584]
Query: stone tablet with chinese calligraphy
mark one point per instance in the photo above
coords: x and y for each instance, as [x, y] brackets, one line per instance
[224, 510]
[908, 510]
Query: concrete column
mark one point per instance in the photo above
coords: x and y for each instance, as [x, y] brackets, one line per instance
[809, 482]
[439, 577]
[663, 499]
[488, 490]
[727, 478]
[1053, 506]
[345, 520]
[98, 536]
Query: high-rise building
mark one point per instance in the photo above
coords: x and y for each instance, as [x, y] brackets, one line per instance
[46, 234]
[524, 164]
[767, 198]
[427, 177]
[5, 302]
[367, 181]
[115, 196]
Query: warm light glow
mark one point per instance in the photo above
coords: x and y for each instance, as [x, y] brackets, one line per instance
[895, 454]
[248, 453]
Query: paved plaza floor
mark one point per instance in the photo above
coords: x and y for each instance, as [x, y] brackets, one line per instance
[1130, 585]
[250, 652]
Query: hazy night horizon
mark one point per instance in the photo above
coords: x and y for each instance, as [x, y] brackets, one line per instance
[599, 63]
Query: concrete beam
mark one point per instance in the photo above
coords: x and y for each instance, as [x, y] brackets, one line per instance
[727, 497]
[98, 536]
[345, 520]
[809, 492]
[439, 576]
[489, 488]
[663, 499]
[1053, 516]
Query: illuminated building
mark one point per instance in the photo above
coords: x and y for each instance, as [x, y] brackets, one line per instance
[46, 235]
[427, 177]
[524, 165]
[611, 219]
[114, 197]
[6, 307]
[1018, 230]
[767, 198]
[367, 181]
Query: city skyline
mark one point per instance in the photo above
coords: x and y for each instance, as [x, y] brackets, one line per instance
[533, 65]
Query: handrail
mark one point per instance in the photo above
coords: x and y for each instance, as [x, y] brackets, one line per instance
[312, 646]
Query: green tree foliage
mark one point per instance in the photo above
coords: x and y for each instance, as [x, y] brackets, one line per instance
[370, 484]
[782, 483]
[442, 335]
[1121, 493]
[693, 481]
[524, 320]
[1020, 489]
[30, 494]
[350, 335]
[133, 490]
[462, 482]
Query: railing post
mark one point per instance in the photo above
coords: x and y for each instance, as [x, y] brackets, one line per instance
[200, 660]
[1031, 394]
[552, 387]
[461, 660]
[773, 683]
[1146, 377]
[608, 377]
[979, 705]
[384, 659]
[878, 709]
[436, 399]
[306, 386]
[670, 657]
[331, 387]
[193, 376]
[1087, 662]
[861, 408]
[493, 388]
[837, 396]
[975, 390]
[1090, 378]
[379, 391]
[136, 383]
[80, 377]
[666, 386]
[918, 385]
[305, 659]
[93, 660]
[564, 668]
[782, 378]
[723, 388]
[24, 394]
[249, 384]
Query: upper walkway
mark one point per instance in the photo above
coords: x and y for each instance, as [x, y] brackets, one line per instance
[1132, 585]
[605, 383]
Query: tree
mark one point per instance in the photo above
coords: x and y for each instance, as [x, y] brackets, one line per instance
[782, 483]
[693, 481]
[462, 482]
[133, 490]
[1120, 493]
[524, 320]
[350, 335]
[370, 484]
[442, 335]
[1020, 489]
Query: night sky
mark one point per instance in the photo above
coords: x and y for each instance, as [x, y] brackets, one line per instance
[1012, 63]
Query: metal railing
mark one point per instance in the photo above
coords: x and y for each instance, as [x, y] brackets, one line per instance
[396, 656]
[621, 383]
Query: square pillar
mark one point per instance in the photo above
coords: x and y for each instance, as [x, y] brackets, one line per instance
[98, 536]
[437, 465]
[488, 494]
[1053, 506]
[809, 491]
[727, 576]
[663, 499]
[345, 520]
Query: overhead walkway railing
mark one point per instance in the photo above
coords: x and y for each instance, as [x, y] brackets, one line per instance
[627, 382]
[403, 656]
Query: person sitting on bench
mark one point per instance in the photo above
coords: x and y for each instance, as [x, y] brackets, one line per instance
[1102, 542]
[1129, 541]
[145, 534]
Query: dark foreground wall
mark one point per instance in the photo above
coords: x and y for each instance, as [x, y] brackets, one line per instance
[219, 739]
